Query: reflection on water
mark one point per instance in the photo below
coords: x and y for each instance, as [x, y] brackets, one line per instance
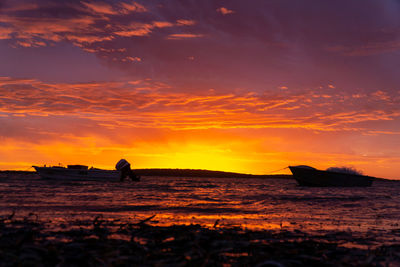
[250, 203]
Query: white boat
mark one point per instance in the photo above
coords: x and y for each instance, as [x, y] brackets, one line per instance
[77, 172]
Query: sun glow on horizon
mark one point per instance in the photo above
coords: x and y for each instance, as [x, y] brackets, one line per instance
[234, 155]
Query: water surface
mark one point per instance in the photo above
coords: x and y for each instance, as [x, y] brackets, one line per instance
[249, 203]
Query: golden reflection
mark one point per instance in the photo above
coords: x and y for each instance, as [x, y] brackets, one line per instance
[248, 221]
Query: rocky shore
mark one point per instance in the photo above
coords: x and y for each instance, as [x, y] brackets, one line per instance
[31, 242]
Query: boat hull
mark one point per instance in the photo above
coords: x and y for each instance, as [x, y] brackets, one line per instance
[58, 173]
[313, 177]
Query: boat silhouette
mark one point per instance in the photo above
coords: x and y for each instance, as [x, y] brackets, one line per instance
[309, 176]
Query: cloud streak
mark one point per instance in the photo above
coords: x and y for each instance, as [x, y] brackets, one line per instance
[149, 104]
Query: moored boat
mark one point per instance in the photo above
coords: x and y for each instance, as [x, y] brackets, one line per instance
[77, 172]
[308, 176]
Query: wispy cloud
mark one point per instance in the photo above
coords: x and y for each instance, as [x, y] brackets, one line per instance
[180, 36]
[132, 7]
[89, 22]
[148, 104]
[185, 22]
[100, 7]
[42, 30]
[141, 29]
[225, 11]
[97, 7]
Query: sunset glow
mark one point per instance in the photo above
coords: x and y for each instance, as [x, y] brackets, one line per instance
[244, 87]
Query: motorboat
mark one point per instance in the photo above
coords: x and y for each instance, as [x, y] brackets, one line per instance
[77, 172]
[339, 177]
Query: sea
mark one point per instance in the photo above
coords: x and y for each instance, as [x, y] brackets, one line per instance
[254, 204]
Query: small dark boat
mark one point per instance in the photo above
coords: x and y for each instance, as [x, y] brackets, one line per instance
[308, 176]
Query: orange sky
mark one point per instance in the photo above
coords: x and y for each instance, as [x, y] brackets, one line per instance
[247, 88]
[98, 123]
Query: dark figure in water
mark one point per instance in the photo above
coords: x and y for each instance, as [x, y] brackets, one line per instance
[125, 168]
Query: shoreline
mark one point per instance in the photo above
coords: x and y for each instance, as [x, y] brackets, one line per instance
[190, 173]
[101, 242]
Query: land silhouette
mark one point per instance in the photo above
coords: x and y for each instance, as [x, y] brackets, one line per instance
[188, 173]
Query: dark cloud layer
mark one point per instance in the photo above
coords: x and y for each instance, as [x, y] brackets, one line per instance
[223, 44]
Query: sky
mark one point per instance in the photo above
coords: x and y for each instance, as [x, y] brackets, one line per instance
[244, 86]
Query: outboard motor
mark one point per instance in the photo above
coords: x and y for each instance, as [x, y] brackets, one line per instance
[125, 168]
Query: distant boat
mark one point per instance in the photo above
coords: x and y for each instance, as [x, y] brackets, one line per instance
[308, 176]
[77, 172]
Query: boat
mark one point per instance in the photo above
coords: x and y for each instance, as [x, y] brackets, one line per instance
[336, 177]
[77, 172]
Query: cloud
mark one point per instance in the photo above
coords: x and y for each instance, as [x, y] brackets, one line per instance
[5, 33]
[87, 23]
[132, 59]
[133, 7]
[225, 11]
[180, 36]
[145, 103]
[43, 30]
[100, 7]
[185, 22]
[141, 29]
[88, 39]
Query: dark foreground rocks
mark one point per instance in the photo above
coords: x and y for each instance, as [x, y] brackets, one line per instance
[28, 242]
